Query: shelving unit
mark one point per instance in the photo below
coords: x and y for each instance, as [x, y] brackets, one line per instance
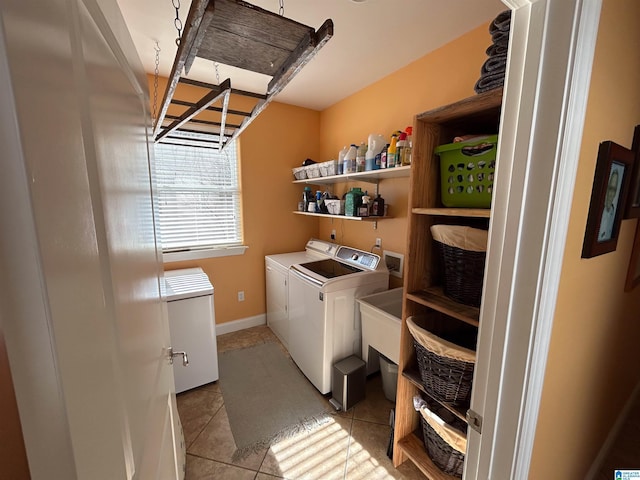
[371, 176]
[479, 114]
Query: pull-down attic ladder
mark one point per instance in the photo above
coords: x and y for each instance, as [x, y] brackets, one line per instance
[236, 33]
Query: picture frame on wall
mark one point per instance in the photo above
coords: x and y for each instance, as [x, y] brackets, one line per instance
[633, 203]
[608, 198]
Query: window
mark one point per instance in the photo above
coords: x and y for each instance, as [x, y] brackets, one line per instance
[198, 197]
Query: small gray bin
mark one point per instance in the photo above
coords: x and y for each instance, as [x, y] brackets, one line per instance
[348, 384]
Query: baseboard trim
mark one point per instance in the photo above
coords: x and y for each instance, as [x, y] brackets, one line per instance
[235, 325]
[613, 433]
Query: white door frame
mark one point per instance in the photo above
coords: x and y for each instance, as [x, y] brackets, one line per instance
[549, 69]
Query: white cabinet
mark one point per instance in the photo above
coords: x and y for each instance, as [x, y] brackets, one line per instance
[277, 300]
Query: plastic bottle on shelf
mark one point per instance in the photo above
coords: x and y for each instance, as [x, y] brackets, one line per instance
[408, 147]
[383, 156]
[307, 197]
[341, 155]
[361, 153]
[377, 206]
[400, 148]
[375, 145]
[350, 159]
[352, 201]
[392, 151]
[363, 210]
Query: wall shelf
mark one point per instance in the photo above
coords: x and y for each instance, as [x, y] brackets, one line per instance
[341, 217]
[371, 176]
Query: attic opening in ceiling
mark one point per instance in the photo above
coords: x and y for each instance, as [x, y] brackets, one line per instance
[235, 33]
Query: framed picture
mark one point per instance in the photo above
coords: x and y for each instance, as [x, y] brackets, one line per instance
[608, 199]
[633, 202]
[633, 273]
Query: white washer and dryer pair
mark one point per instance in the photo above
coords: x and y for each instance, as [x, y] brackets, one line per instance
[319, 325]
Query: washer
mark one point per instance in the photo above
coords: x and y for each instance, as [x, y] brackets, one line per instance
[323, 325]
[277, 281]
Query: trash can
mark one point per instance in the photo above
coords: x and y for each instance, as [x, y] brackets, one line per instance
[349, 379]
[389, 372]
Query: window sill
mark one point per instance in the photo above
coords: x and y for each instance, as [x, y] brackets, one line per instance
[204, 253]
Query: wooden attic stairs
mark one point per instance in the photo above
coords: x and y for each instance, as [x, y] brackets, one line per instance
[236, 33]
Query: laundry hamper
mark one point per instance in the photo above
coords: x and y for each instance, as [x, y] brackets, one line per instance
[463, 251]
[446, 445]
[446, 364]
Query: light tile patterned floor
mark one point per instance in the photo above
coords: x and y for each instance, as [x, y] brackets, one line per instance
[351, 446]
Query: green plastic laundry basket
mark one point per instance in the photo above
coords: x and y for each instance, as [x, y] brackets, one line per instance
[466, 172]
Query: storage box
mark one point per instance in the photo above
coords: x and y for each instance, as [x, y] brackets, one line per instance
[313, 171]
[348, 382]
[466, 172]
[327, 169]
[300, 173]
[335, 206]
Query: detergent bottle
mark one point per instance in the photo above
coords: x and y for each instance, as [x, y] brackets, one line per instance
[373, 157]
[392, 151]
[350, 159]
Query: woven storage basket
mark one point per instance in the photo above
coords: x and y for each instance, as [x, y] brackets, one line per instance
[463, 253]
[446, 368]
[445, 445]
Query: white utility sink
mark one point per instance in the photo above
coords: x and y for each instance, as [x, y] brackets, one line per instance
[381, 315]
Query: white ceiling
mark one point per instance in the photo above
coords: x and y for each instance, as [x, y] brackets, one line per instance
[371, 40]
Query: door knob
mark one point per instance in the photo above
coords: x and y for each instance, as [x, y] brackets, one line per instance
[185, 358]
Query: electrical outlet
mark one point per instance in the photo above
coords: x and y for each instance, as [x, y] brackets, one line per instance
[241, 295]
[378, 242]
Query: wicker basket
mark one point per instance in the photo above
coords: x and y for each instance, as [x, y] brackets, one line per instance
[443, 434]
[463, 267]
[446, 456]
[446, 368]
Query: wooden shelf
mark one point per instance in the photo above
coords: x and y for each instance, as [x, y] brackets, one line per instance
[434, 297]
[413, 448]
[342, 217]
[413, 375]
[371, 176]
[454, 212]
[478, 113]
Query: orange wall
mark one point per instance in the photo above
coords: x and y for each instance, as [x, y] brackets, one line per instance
[441, 77]
[593, 365]
[283, 136]
[280, 138]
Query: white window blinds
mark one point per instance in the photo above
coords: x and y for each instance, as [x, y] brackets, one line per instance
[198, 197]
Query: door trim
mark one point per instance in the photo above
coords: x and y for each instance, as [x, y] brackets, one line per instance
[548, 75]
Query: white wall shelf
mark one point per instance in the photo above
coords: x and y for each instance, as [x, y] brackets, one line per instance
[371, 176]
[341, 217]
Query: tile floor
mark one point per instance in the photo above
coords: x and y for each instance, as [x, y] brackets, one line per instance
[352, 445]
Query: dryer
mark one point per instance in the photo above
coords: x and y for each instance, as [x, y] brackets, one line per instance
[277, 283]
